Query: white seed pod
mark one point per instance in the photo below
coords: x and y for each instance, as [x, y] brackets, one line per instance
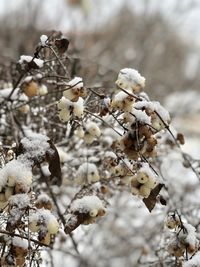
[11, 181]
[33, 226]
[142, 177]
[79, 107]
[10, 154]
[151, 183]
[144, 191]
[93, 129]
[135, 191]
[80, 132]
[93, 213]
[64, 115]
[69, 94]
[62, 103]
[88, 138]
[53, 226]
[8, 192]
[170, 223]
[120, 170]
[43, 90]
[93, 177]
[2, 197]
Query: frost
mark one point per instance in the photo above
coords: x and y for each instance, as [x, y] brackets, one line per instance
[20, 242]
[86, 204]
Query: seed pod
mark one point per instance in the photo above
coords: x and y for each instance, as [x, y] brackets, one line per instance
[30, 89]
[34, 226]
[151, 183]
[8, 192]
[134, 182]
[104, 189]
[53, 227]
[144, 191]
[101, 212]
[142, 177]
[135, 191]
[46, 239]
[2, 197]
[93, 213]
[11, 181]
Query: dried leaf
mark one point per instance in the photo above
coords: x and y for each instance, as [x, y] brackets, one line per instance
[62, 45]
[74, 221]
[150, 202]
[53, 159]
[180, 138]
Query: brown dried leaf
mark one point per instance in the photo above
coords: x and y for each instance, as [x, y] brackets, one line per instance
[54, 164]
[180, 138]
[62, 45]
[150, 202]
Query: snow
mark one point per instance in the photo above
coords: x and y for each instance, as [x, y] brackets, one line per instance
[110, 154]
[86, 204]
[193, 262]
[17, 95]
[43, 215]
[19, 172]
[76, 83]
[130, 77]
[67, 108]
[35, 145]
[43, 197]
[20, 242]
[191, 234]
[37, 61]
[141, 116]
[93, 129]
[154, 106]
[43, 39]
[19, 200]
[146, 169]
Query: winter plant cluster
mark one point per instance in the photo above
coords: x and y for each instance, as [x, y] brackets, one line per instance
[67, 149]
